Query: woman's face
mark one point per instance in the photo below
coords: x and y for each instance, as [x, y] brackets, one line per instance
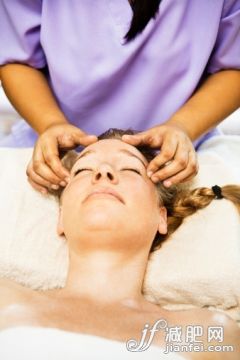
[109, 196]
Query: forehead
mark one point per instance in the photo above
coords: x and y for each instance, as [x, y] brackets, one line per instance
[111, 147]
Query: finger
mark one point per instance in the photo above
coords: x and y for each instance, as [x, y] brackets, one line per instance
[41, 169]
[71, 140]
[38, 187]
[187, 179]
[179, 163]
[50, 154]
[38, 180]
[65, 141]
[143, 138]
[167, 153]
[85, 140]
[186, 174]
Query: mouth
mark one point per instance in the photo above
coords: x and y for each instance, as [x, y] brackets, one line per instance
[105, 192]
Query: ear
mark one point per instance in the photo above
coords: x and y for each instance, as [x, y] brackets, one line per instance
[60, 230]
[162, 226]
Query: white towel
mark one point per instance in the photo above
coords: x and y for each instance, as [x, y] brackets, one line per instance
[38, 343]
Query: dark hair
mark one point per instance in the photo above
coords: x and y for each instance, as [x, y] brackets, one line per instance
[143, 12]
[179, 200]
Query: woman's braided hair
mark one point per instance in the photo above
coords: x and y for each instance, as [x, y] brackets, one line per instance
[179, 200]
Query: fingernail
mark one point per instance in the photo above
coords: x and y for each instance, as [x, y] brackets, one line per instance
[149, 173]
[129, 137]
[55, 187]
[67, 179]
[155, 179]
[167, 183]
[62, 183]
[91, 137]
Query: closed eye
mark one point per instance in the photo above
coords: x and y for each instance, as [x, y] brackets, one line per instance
[85, 169]
[80, 170]
[134, 170]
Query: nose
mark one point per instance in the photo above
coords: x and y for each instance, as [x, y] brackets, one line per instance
[105, 172]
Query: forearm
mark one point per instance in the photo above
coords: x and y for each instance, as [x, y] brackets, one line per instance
[30, 94]
[213, 101]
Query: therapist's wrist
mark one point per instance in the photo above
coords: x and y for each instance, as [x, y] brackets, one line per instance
[49, 120]
[179, 121]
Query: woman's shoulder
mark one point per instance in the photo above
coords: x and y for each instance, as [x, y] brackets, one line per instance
[231, 329]
[15, 303]
[216, 318]
[225, 334]
[12, 292]
[205, 317]
[210, 329]
[221, 331]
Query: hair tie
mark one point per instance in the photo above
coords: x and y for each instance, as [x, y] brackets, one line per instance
[217, 192]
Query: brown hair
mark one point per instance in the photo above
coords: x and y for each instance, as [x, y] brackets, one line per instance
[179, 201]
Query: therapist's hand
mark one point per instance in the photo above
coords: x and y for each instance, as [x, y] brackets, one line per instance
[177, 161]
[45, 169]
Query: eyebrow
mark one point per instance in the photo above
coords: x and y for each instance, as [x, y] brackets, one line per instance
[125, 151]
[133, 155]
[84, 154]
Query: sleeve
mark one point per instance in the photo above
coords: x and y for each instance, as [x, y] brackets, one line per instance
[226, 52]
[20, 27]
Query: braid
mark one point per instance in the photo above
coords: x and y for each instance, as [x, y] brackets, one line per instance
[187, 202]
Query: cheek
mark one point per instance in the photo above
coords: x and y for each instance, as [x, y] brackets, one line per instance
[141, 189]
[144, 213]
[143, 198]
[73, 193]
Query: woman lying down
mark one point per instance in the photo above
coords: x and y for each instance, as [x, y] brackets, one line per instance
[112, 216]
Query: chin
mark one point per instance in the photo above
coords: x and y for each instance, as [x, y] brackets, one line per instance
[102, 218]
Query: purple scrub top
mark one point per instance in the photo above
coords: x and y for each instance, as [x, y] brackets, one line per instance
[101, 82]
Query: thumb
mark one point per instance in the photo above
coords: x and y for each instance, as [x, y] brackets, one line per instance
[65, 140]
[143, 138]
[85, 139]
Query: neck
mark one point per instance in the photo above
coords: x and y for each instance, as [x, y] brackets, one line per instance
[106, 276]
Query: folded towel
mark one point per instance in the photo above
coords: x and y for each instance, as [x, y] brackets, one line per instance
[199, 264]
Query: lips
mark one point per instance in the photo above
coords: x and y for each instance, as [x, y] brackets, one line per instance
[106, 191]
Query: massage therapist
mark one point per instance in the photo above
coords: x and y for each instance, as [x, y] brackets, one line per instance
[73, 69]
